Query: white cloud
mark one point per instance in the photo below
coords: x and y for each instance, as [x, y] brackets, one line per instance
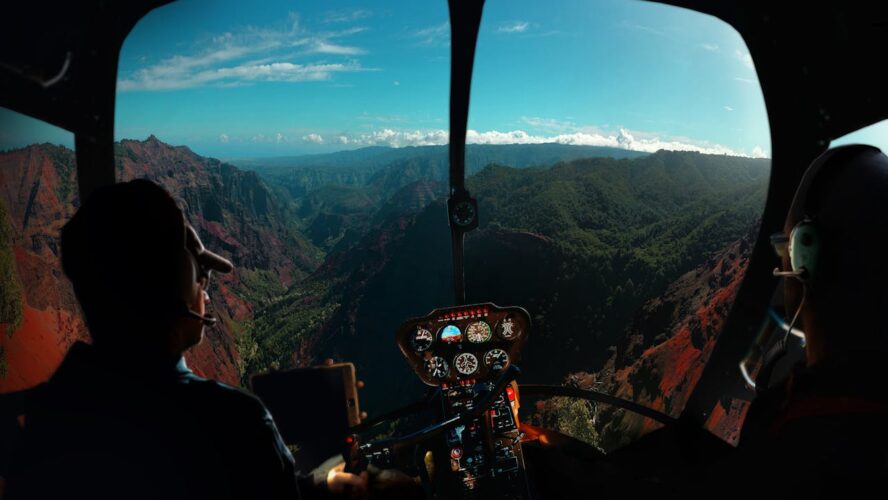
[223, 138]
[745, 58]
[513, 27]
[345, 16]
[437, 35]
[759, 152]
[711, 47]
[248, 56]
[280, 138]
[396, 83]
[641, 27]
[624, 139]
[745, 80]
[729, 109]
[314, 138]
[234, 75]
[325, 47]
[548, 123]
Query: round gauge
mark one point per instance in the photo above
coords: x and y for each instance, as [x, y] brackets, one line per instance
[463, 213]
[508, 328]
[437, 367]
[451, 334]
[496, 359]
[466, 363]
[478, 332]
[422, 339]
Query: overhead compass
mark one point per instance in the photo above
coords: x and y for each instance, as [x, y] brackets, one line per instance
[463, 213]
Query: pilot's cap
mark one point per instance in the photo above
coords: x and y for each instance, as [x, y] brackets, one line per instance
[205, 258]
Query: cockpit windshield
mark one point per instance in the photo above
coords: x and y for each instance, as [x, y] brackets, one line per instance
[618, 151]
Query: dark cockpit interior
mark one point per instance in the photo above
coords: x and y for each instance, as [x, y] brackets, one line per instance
[636, 348]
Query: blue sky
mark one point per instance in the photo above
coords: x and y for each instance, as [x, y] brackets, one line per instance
[231, 79]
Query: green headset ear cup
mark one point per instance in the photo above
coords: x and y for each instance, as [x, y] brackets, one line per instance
[804, 248]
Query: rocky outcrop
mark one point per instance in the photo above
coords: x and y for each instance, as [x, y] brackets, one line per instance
[234, 212]
[662, 356]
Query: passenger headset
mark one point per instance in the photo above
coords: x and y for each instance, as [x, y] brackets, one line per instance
[804, 247]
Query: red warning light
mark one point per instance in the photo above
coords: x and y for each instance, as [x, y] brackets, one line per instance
[510, 393]
[349, 440]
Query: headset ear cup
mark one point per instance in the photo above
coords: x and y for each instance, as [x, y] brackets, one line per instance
[804, 249]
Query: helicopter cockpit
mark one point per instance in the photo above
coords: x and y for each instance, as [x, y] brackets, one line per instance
[563, 281]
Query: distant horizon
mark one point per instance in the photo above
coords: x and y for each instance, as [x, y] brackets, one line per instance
[70, 145]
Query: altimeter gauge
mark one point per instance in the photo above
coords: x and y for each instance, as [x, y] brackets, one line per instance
[496, 359]
[466, 363]
[437, 367]
[478, 332]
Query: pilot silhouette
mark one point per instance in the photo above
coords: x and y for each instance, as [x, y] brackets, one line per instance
[124, 417]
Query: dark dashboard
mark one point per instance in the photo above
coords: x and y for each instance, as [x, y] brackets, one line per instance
[464, 345]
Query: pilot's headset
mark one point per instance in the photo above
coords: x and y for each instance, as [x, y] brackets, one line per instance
[804, 247]
[196, 266]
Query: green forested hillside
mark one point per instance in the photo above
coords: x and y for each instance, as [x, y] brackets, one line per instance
[333, 196]
[581, 244]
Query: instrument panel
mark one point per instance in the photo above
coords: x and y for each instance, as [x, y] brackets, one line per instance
[465, 344]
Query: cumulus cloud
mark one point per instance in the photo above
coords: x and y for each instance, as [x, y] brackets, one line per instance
[759, 152]
[223, 138]
[513, 27]
[624, 139]
[313, 138]
[248, 56]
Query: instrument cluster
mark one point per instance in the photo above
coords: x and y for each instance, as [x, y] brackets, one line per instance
[464, 344]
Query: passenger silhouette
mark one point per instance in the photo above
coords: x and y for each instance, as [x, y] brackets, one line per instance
[824, 430]
[124, 417]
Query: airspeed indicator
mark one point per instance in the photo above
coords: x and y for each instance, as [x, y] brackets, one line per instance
[478, 332]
